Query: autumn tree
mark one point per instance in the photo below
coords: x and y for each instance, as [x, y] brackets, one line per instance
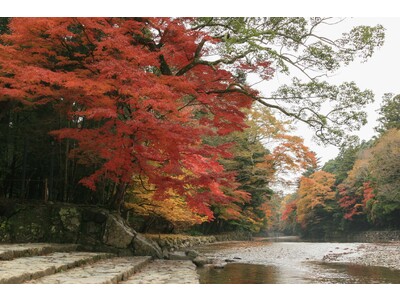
[371, 189]
[382, 195]
[287, 154]
[262, 155]
[349, 152]
[315, 202]
[351, 190]
[137, 96]
[136, 106]
[288, 220]
[147, 214]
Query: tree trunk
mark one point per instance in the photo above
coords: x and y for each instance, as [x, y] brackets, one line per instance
[24, 167]
[65, 191]
[51, 177]
[118, 198]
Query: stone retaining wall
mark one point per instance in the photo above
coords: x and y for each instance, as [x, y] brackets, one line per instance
[370, 236]
[374, 236]
[94, 228]
[172, 242]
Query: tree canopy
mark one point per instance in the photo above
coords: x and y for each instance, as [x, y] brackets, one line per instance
[133, 104]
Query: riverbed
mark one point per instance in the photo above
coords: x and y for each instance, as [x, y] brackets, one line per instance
[291, 261]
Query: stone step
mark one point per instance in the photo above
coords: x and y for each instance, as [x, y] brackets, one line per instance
[24, 269]
[166, 271]
[111, 270]
[8, 252]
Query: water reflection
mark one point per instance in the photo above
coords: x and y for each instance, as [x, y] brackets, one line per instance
[351, 273]
[240, 273]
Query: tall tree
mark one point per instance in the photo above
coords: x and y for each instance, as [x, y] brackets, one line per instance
[344, 162]
[263, 154]
[351, 190]
[136, 96]
[383, 197]
[312, 203]
[389, 113]
[134, 105]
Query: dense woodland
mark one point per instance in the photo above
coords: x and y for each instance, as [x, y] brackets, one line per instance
[158, 119]
[358, 190]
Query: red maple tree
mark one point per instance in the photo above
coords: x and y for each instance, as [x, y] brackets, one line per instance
[139, 95]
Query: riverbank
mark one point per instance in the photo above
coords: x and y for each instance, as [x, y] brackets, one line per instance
[308, 262]
[368, 236]
[263, 251]
[370, 254]
[173, 242]
[285, 249]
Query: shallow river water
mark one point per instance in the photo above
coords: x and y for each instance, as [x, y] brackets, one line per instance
[264, 261]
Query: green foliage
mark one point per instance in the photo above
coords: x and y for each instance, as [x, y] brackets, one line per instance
[4, 25]
[246, 162]
[343, 163]
[389, 113]
[384, 167]
[295, 47]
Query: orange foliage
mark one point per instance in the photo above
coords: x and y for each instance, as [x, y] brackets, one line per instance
[314, 191]
[288, 154]
[352, 197]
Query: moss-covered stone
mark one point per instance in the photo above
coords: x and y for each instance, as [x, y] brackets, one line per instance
[5, 236]
[56, 232]
[29, 225]
[117, 234]
[70, 218]
[93, 228]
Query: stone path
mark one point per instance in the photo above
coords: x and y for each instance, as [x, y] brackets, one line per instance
[167, 271]
[10, 251]
[56, 263]
[109, 271]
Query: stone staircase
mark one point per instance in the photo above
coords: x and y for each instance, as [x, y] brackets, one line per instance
[63, 264]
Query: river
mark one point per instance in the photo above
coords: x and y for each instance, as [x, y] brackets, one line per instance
[294, 262]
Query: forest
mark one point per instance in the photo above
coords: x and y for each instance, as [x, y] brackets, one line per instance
[160, 120]
[358, 190]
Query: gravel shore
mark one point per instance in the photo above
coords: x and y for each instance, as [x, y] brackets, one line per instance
[374, 254]
[305, 262]
[369, 254]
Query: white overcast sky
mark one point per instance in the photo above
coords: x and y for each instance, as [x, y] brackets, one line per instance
[379, 74]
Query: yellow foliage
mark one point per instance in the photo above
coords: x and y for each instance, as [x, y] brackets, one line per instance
[173, 209]
[313, 191]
